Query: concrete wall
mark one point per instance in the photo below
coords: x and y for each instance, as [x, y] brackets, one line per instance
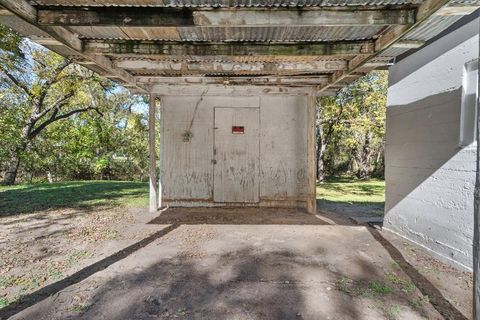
[429, 177]
[187, 172]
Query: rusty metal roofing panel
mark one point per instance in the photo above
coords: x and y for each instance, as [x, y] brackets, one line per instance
[253, 59]
[227, 3]
[22, 27]
[433, 26]
[214, 34]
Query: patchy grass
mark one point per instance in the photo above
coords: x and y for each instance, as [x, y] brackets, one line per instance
[382, 292]
[364, 196]
[52, 228]
[379, 288]
[30, 198]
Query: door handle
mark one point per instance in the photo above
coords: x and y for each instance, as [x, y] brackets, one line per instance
[214, 161]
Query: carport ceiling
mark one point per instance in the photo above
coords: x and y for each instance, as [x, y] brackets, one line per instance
[321, 43]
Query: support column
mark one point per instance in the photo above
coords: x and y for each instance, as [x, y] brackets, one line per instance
[160, 113]
[476, 223]
[153, 206]
[312, 187]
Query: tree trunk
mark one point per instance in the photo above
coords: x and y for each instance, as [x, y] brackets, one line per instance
[364, 158]
[320, 147]
[12, 170]
[321, 161]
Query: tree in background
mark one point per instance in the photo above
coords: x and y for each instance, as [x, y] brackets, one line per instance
[60, 120]
[351, 129]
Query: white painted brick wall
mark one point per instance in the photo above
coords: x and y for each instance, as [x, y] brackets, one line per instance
[429, 178]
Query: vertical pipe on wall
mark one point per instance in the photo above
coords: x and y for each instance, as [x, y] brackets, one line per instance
[153, 204]
[311, 166]
[476, 216]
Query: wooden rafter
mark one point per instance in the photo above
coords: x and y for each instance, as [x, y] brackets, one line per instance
[389, 38]
[28, 13]
[155, 66]
[188, 17]
[265, 81]
[135, 47]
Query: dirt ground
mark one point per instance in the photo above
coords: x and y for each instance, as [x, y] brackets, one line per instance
[118, 263]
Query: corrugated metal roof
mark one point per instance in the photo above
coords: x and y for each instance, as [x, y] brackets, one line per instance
[432, 27]
[21, 26]
[235, 3]
[227, 3]
[299, 59]
[270, 34]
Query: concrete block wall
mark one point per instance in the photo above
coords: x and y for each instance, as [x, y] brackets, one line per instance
[429, 177]
[187, 173]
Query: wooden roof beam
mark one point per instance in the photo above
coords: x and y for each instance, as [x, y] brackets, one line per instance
[234, 67]
[28, 13]
[247, 80]
[389, 38]
[189, 17]
[136, 47]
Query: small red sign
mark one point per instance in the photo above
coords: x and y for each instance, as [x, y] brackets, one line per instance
[238, 129]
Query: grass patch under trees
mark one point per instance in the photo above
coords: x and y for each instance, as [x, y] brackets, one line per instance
[30, 198]
[364, 196]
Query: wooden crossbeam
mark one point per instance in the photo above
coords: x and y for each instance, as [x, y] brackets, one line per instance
[187, 17]
[271, 80]
[135, 47]
[389, 38]
[28, 13]
[190, 67]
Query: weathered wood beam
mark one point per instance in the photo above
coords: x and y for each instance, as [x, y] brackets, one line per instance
[392, 35]
[229, 90]
[228, 49]
[311, 200]
[156, 66]
[257, 81]
[28, 13]
[152, 150]
[409, 44]
[187, 17]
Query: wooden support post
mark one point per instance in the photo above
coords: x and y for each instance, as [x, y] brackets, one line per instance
[160, 112]
[153, 207]
[311, 174]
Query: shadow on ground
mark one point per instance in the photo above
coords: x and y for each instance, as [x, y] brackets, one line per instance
[237, 216]
[246, 266]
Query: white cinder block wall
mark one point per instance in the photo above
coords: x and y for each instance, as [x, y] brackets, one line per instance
[429, 177]
[187, 172]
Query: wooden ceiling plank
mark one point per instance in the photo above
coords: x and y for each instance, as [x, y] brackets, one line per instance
[392, 35]
[228, 48]
[29, 14]
[188, 17]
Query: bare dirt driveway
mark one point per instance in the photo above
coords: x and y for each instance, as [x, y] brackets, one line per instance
[250, 264]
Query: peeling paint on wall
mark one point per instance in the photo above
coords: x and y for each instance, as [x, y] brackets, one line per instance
[187, 170]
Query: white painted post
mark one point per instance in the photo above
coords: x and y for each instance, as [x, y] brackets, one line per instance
[476, 220]
[153, 207]
[312, 177]
[160, 110]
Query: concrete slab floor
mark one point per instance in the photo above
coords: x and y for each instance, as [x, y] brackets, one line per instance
[247, 264]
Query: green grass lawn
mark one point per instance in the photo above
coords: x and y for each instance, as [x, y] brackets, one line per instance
[365, 196]
[29, 198]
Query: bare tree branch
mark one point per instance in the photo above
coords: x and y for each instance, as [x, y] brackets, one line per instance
[56, 117]
[54, 78]
[58, 104]
[16, 82]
